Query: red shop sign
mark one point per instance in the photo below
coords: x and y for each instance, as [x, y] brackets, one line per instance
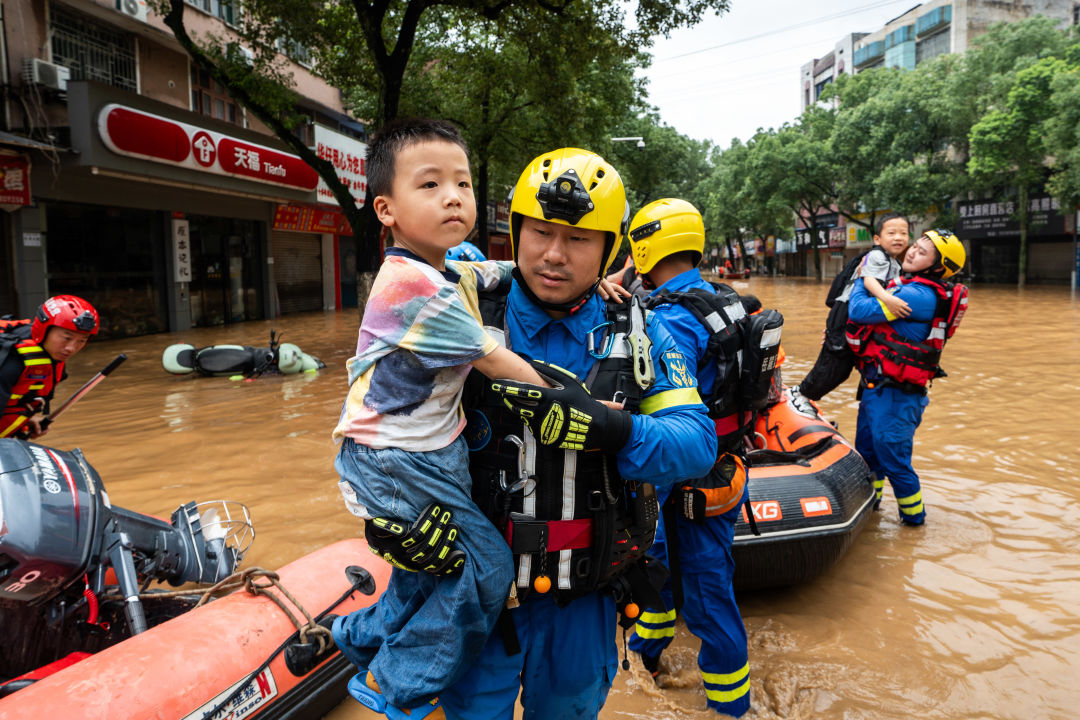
[302, 218]
[139, 134]
[14, 180]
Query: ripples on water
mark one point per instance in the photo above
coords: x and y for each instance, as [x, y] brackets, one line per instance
[973, 616]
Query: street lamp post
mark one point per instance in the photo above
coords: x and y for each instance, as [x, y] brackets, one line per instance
[640, 140]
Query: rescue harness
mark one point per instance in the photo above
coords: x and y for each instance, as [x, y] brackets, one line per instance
[910, 365]
[573, 523]
[745, 349]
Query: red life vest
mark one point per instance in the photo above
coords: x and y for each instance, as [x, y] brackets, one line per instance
[37, 380]
[909, 363]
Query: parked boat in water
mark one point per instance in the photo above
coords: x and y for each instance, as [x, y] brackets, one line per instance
[811, 495]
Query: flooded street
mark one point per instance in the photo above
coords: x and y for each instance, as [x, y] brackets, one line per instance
[975, 615]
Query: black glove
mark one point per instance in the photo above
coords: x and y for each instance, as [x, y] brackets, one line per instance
[427, 545]
[565, 415]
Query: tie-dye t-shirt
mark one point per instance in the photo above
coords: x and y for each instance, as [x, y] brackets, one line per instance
[421, 329]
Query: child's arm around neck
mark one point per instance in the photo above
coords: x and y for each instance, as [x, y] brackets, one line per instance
[501, 363]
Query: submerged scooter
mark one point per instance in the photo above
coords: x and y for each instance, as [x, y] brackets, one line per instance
[286, 358]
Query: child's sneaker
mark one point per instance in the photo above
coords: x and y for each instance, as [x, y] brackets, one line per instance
[366, 691]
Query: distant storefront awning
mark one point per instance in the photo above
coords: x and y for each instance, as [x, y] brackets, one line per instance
[11, 139]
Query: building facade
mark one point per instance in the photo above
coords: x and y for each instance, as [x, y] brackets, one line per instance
[817, 74]
[925, 31]
[147, 189]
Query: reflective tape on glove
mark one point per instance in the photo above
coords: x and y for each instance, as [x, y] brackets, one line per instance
[565, 415]
[427, 545]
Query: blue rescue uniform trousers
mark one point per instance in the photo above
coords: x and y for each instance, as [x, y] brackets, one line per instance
[567, 663]
[425, 630]
[709, 609]
[884, 436]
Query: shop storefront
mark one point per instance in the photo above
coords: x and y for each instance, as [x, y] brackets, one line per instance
[226, 279]
[164, 219]
[499, 231]
[14, 195]
[992, 235]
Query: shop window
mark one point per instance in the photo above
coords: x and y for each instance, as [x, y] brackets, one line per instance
[209, 98]
[227, 10]
[113, 257]
[91, 50]
[225, 272]
[933, 46]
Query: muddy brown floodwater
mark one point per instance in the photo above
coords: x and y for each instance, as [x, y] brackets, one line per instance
[975, 615]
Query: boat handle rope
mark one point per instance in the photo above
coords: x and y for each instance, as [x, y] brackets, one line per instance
[361, 582]
[247, 579]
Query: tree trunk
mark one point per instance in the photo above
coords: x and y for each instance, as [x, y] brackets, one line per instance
[814, 248]
[1021, 278]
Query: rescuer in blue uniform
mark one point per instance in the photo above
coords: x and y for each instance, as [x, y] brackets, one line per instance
[667, 239]
[582, 459]
[899, 357]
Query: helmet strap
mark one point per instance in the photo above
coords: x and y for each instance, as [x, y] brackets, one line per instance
[569, 307]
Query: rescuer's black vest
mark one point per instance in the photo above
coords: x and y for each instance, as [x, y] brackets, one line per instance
[566, 514]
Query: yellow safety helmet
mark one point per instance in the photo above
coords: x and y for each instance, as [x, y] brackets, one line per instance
[572, 187]
[950, 250]
[665, 227]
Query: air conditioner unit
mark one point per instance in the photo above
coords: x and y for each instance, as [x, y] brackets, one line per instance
[38, 72]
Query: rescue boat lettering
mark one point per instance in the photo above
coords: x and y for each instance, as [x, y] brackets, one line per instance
[256, 693]
[814, 506]
[764, 510]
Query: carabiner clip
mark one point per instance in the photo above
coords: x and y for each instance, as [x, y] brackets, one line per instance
[609, 341]
[640, 346]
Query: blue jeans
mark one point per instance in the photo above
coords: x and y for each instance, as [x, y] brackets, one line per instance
[709, 608]
[424, 631]
[564, 671]
[885, 437]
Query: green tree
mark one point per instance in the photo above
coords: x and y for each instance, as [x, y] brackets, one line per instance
[892, 143]
[486, 82]
[670, 164]
[1063, 132]
[370, 43]
[792, 167]
[1009, 145]
[723, 208]
[984, 76]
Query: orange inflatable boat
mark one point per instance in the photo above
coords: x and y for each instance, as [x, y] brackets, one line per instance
[87, 635]
[811, 495]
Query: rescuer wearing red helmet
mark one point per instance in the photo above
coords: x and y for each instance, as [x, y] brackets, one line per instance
[32, 357]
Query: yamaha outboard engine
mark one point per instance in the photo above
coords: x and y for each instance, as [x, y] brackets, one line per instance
[59, 535]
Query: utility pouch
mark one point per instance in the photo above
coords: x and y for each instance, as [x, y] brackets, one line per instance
[527, 534]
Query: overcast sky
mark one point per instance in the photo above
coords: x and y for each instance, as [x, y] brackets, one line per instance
[732, 74]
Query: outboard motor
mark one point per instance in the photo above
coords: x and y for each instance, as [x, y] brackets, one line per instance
[59, 535]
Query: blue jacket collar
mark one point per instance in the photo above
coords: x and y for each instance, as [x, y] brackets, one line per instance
[683, 281]
[532, 319]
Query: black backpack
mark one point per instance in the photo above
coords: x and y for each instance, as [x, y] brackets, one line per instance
[844, 276]
[743, 347]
